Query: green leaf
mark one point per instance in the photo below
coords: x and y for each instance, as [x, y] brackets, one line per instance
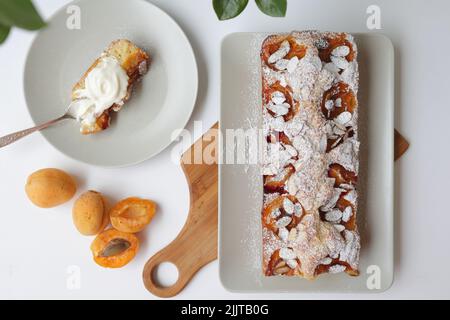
[273, 8]
[20, 13]
[228, 9]
[4, 31]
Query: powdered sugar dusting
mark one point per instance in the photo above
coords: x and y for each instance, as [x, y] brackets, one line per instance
[308, 132]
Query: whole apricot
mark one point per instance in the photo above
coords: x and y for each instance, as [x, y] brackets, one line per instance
[50, 187]
[89, 213]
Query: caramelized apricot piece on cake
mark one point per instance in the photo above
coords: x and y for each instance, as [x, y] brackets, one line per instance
[328, 44]
[341, 175]
[282, 212]
[286, 265]
[277, 182]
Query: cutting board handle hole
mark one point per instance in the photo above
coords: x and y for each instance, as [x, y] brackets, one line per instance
[165, 274]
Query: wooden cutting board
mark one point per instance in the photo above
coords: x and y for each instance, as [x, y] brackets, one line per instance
[196, 245]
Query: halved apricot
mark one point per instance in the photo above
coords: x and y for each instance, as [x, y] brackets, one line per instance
[275, 213]
[272, 44]
[287, 92]
[132, 214]
[114, 249]
[341, 91]
[333, 43]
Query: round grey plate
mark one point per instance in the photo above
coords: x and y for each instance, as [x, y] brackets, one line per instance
[161, 103]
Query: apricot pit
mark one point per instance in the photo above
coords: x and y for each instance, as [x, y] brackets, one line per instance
[114, 249]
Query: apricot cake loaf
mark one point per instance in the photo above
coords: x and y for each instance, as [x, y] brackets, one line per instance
[310, 166]
[107, 85]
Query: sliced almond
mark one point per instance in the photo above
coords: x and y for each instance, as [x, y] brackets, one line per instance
[281, 270]
[282, 64]
[336, 143]
[278, 124]
[332, 201]
[292, 234]
[350, 252]
[351, 196]
[279, 109]
[343, 118]
[336, 269]
[283, 222]
[340, 62]
[278, 97]
[281, 52]
[340, 126]
[331, 67]
[275, 213]
[292, 64]
[288, 206]
[347, 214]
[323, 143]
[292, 263]
[329, 128]
[333, 137]
[347, 187]
[337, 130]
[298, 210]
[287, 254]
[333, 215]
[341, 51]
[329, 104]
[291, 150]
[326, 261]
[283, 233]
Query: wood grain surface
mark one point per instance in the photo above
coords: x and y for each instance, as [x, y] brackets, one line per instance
[401, 145]
[196, 245]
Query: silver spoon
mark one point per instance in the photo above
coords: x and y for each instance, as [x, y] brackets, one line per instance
[13, 137]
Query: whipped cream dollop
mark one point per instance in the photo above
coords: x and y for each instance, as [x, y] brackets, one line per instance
[105, 85]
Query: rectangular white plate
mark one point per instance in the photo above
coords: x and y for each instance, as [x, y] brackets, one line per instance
[240, 186]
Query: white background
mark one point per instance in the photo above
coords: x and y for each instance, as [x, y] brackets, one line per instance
[37, 246]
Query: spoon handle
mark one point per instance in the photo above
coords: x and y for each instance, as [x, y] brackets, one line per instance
[13, 137]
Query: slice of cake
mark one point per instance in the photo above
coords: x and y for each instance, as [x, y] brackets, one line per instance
[310, 167]
[107, 85]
